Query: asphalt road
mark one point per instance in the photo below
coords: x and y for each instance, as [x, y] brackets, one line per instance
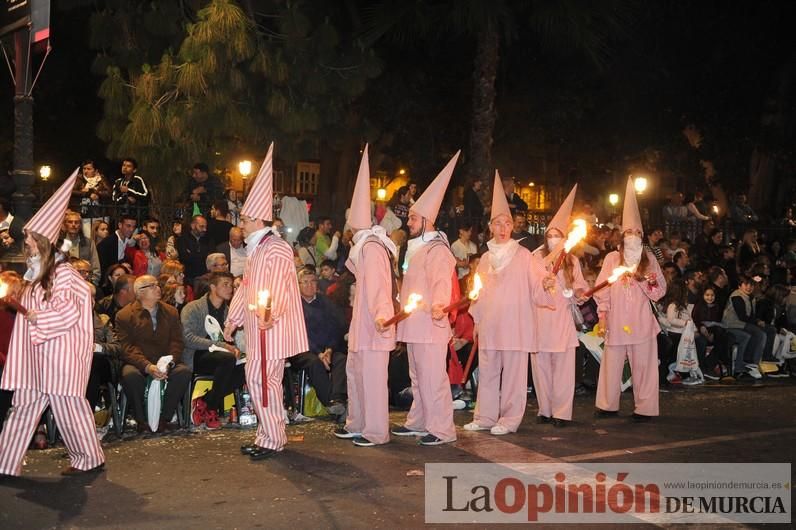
[199, 479]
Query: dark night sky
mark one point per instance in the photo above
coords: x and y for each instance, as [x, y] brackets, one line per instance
[714, 63]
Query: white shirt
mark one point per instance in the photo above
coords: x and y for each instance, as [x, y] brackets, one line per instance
[463, 250]
[237, 258]
[123, 244]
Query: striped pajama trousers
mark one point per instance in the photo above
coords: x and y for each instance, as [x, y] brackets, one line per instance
[270, 420]
[75, 423]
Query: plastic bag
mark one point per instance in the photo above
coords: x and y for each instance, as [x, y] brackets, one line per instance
[312, 405]
[687, 360]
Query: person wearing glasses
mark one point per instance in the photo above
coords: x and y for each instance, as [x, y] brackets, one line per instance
[147, 330]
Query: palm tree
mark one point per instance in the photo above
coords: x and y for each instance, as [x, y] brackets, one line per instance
[580, 26]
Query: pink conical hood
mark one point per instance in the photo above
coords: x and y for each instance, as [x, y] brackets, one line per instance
[429, 203]
[560, 220]
[50, 217]
[260, 202]
[631, 217]
[500, 204]
[359, 215]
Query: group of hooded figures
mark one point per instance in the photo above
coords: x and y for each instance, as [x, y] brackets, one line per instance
[522, 310]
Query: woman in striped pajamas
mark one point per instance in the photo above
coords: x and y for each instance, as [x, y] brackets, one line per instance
[49, 358]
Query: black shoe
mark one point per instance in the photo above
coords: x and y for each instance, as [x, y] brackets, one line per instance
[430, 439]
[403, 431]
[261, 453]
[581, 390]
[600, 413]
[560, 423]
[342, 433]
[359, 441]
[248, 449]
[543, 419]
[640, 418]
[73, 471]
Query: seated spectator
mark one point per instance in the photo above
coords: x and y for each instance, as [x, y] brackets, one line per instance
[99, 231]
[143, 257]
[122, 295]
[173, 294]
[235, 251]
[707, 315]
[719, 282]
[222, 365]
[217, 225]
[341, 294]
[194, 247]
[305, 244]
[176, 273]
[82, 247]
[462, 249]
[670, 272]
[739, 316]
[681, 261]
[7, 317]
[653, 240]
[748, 251]
[327, 275]
[675, 304]
[171, 242]
[326, 361]
[215, 262]
[326, 245]
[693, 286]
[671, 245]
[83, 268]
[110, 277]
[702, 240]
[111, 249]
[712, 249]
[105, 363]
[772, 317]
[147, 330]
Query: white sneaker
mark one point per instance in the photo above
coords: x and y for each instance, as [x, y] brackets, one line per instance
[473, 426]
[499, 430]
[753, 371]
[692, 381]
[459, 404]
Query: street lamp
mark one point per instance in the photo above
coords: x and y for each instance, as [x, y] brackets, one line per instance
[245, 169]
[640, 183]
[402, 171]
[45, 172]
[381, 194]
[613, 199]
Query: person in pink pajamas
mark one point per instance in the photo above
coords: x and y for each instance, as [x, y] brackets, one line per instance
[429, 272]
[514, 284]
[554, 363]
[269, 265]
[369, 341]
[49, 357]
[627, 321]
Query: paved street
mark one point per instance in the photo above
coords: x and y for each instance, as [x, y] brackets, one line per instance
[200, 479]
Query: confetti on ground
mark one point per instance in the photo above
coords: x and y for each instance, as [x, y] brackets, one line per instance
[601, 431]
[551, 438]
[295, 438]
[415, 473]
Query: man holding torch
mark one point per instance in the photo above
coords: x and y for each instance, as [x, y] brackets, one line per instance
[554, 364]
[370, 341]
[49, 358]
[626, 318]
[268, 306]
[428, 274]
[514, 284]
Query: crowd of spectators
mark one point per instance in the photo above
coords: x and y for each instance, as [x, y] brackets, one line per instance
[157, 282]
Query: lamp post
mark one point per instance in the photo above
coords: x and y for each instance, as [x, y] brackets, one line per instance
[44, 173]
[613, 200]
[640, 184]
[245, 169]
[381, 194]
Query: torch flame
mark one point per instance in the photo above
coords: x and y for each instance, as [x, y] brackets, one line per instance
[477, 285]
[619, 272]
[263, 298]
[414, 299]
[3, 290]
[577, 233]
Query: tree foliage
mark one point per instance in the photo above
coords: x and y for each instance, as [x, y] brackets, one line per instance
[213, 80]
